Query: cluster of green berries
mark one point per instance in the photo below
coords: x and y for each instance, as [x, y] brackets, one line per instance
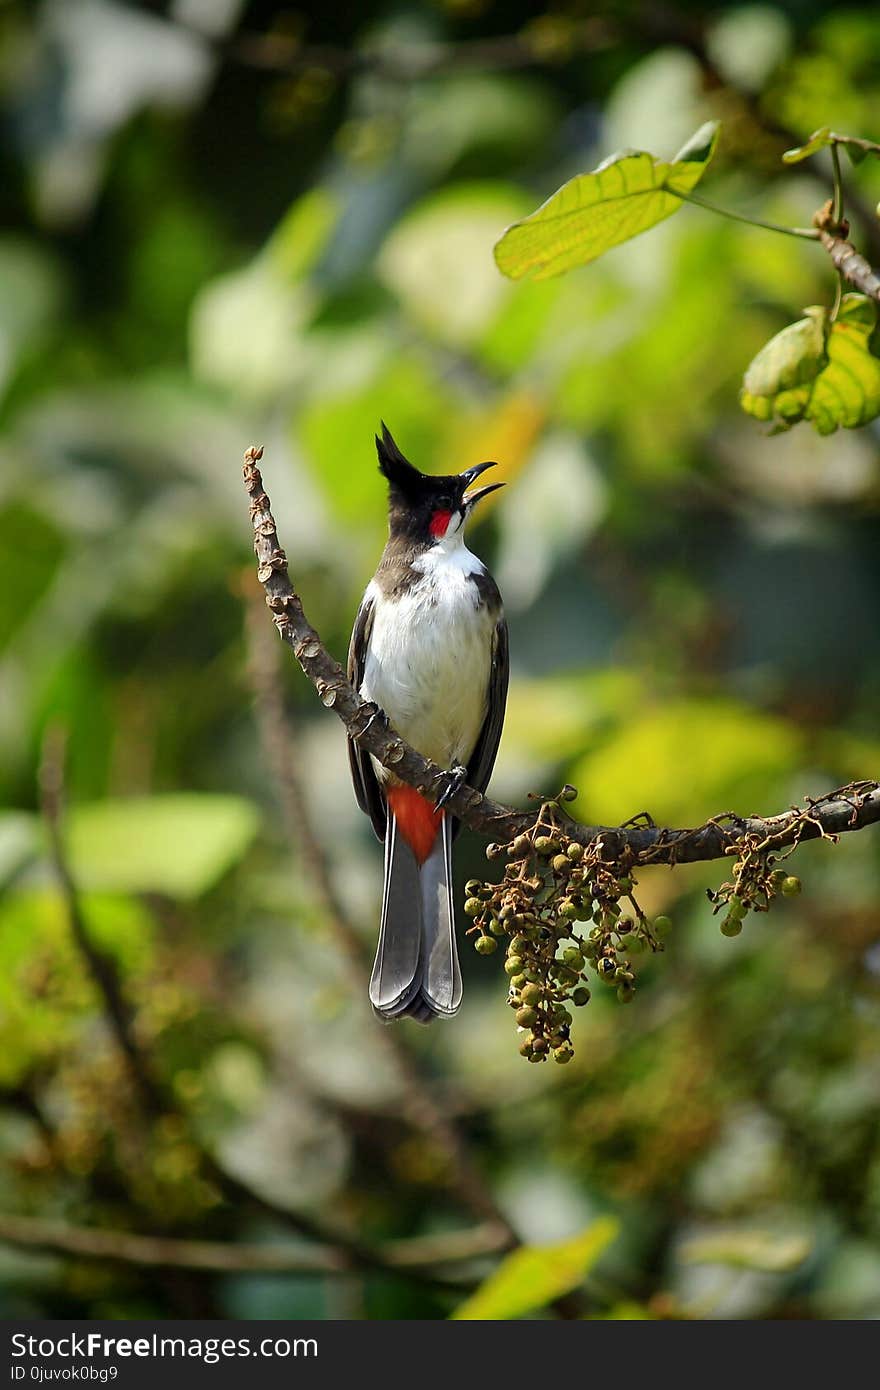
[754, 886]
[558, 905]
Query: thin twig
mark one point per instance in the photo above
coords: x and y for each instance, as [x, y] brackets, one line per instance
[99, 966]
[838, 812]
[805, 233]
[165, 1252]
[534, 46]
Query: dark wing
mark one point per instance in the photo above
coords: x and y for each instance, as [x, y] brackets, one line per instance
[482, 760]
[366, 786]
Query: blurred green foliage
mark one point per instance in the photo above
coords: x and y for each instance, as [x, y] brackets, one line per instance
[198, 255]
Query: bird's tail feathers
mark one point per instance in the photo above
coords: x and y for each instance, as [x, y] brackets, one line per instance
[416, 973]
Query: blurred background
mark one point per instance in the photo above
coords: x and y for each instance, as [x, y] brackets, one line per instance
[228, 223]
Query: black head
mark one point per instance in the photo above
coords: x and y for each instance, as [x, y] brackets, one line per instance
[423, 506]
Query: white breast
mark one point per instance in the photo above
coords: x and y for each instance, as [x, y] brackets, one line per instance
[429, 657]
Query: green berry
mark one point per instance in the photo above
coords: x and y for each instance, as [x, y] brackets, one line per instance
[662, 927]
[540, 1044]
[498, 928]
[563, 1053]
[561, 864]
[494, 851]
[517, 981]
[525, 1048]
[486, 945]
[731, 926]
[521, 845]
[580, 996]
[546, 845]
[568, 793]
[472, 886]
[518, 945]
[791, 886]
[573, 958]
[568, 910]
[472, 907]
[531, 994]
[526, 1017]
[513, 965]
[575, 852]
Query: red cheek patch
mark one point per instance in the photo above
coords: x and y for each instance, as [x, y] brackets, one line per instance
[439, 523]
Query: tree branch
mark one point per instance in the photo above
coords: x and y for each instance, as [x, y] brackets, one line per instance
[851, 263]
[847, 808]
[99, 966]
[165, 1252]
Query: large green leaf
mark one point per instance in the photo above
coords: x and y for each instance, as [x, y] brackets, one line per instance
[177, 844]
[452, 232]
[685, 760]
[819, 371]
[531, 1277]
[591, 213]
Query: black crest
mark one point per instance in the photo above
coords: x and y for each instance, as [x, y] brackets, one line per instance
[402, 477]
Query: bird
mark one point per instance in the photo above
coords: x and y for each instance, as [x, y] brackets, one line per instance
[429, 648]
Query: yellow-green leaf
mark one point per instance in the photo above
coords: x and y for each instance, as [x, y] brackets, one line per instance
[817, 141]
[532, 1276]
[178, 844]
[684, 759]
[819, 371]
[593, 212]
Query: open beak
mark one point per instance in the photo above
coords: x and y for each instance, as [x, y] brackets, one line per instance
[470, 475]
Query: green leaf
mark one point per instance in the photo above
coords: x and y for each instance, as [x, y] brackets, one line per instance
[19, 842]
[178, 844]
[593, 212]
[532, 1276]
[452, 232]
[817, 141]
[819, 371]
[735, 757]
[767, 1251]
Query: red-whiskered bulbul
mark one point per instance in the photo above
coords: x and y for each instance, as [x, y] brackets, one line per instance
[429, 647]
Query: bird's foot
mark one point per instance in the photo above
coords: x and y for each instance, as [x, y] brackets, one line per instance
[452, 781]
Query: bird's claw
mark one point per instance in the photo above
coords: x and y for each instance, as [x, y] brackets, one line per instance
[453, 781]
[376, 713]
